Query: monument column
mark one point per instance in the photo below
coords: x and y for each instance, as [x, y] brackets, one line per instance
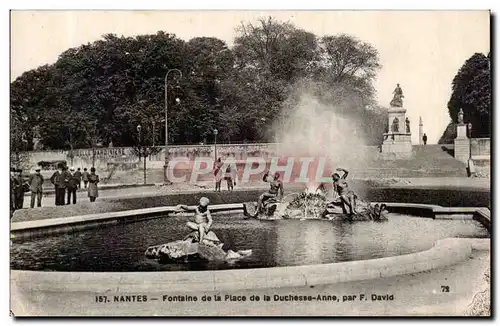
[420, 131]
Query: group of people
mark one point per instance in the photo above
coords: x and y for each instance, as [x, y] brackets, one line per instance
[18, 186]
[228, 174]
[66, 182]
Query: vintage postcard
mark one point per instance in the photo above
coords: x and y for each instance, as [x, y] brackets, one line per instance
[250, 163]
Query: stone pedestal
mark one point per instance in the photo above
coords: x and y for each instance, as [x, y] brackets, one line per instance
[397, 142]
[462, 131]
[462, 144]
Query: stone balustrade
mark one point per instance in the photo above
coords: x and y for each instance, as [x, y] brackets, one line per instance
[481, 146]
[104, 157]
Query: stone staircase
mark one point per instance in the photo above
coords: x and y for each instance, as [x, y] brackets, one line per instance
[427, 161]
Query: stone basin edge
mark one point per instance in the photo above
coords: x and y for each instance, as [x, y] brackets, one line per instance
[63, 224]
[445, 252]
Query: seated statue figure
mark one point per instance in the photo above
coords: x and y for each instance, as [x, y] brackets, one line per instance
[397, 100]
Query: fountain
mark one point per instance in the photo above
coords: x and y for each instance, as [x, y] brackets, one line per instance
[314, 204]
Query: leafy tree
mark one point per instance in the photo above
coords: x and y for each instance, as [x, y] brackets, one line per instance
[208, 61]
[30, 97]
[275, 49]
[18, 141]
[350, 64]
[269, 56]
[471, 91]
[99, 92]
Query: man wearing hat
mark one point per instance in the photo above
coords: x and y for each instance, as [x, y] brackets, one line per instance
[72, 182]
[36, 188]
[59, 181]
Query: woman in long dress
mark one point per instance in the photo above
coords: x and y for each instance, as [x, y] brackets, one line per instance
[93, 181]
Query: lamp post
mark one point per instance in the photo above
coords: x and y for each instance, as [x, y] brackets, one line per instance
[139, 127]
[142, 153]
[469, 126]
[154, 131]
[215, 142]
[166, 118]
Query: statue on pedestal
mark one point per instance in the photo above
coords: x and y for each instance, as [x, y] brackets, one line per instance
[407, 122]
[461, 117]
[395, 125]
[397, 100]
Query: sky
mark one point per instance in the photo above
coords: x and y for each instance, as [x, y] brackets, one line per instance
[420, 50]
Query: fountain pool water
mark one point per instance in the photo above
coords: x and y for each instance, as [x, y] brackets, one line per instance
[120, 248]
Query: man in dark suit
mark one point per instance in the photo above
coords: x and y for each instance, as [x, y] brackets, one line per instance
[19, 189]
[85, 177]
[71, 184]
[36, 188]
[58, 179]
[78, 176]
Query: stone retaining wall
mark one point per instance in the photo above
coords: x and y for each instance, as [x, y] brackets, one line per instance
[103, 156]
[457, 197]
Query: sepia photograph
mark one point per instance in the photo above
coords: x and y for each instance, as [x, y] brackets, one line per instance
[250, 163]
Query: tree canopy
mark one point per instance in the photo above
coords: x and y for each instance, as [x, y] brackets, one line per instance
[99, 92]
[471, 92]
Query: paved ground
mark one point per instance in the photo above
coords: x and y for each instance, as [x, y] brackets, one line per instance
[49, 199]
[414, 294]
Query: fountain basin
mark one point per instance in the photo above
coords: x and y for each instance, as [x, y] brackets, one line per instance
[40, 292]
[445, 252]
[120, 247]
